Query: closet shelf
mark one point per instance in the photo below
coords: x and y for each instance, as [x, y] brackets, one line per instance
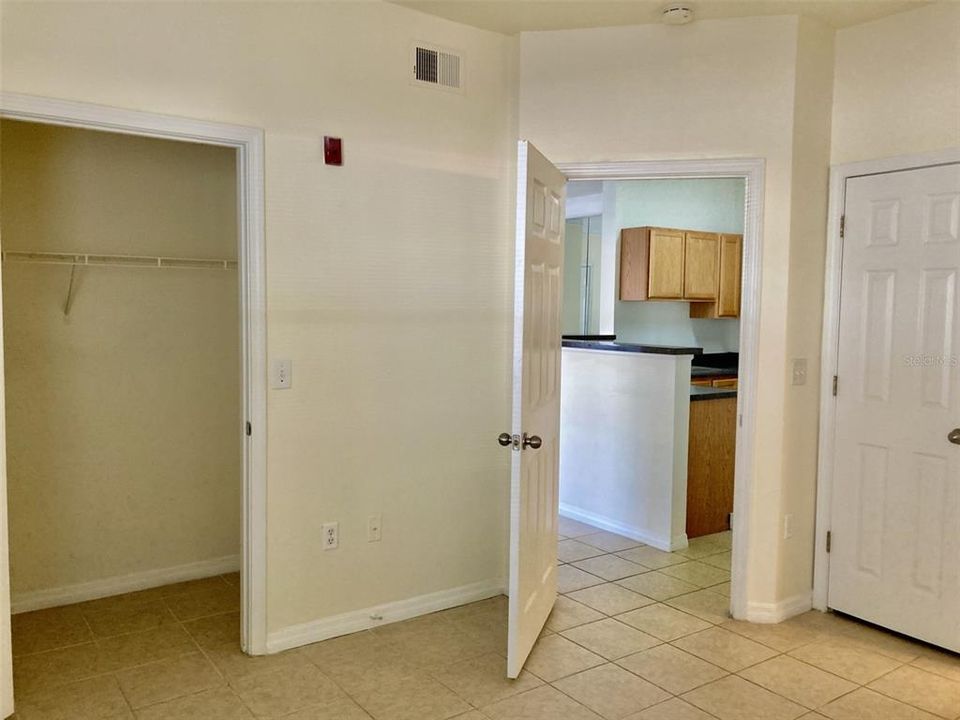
[76, 260]
[94, 260]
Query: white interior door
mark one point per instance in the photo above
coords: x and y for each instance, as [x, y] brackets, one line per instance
[541, 190]
[6, 644]
[895, 527]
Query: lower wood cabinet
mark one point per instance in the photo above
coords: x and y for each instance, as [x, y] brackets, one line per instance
[710, 465]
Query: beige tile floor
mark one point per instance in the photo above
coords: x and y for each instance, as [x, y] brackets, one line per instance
[637, 634]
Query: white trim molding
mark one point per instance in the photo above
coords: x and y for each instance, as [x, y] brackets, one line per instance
[357, 620]
[752, 170]
[248, 142]
[772, 613]
[629, 531]
[95, 589]
[839, 174]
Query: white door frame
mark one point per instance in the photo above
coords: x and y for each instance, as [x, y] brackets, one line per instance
[248, 143]
[752, 171]
[839, 174]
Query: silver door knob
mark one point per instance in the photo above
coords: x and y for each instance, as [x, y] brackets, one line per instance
[954, 436]
[505, 439]
[532, 441]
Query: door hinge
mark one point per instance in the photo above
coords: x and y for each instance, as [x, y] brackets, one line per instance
[829, 540]
[843, 224]
[835, 385]
[249, 429]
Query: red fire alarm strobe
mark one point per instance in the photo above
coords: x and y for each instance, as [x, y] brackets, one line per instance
[332, 150]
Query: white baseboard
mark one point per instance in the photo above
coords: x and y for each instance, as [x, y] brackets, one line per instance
[634, 533]
[357, 620]
[95, 589]
[770, 613]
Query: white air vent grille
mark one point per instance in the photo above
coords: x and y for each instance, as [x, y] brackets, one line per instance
[433, 66]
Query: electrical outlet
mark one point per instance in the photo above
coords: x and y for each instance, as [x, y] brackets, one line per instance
[800, 371]
[374, 528]
[787, 527]
[281, 374]
[331, 536]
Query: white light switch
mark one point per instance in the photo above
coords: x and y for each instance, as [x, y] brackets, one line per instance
[800, 371]
[281, 376]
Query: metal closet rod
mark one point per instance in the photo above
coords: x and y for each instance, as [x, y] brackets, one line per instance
[76, 260]
[91, 259]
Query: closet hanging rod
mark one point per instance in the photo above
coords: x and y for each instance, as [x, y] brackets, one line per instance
[100, 260]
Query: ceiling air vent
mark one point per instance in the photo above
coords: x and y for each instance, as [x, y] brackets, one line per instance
[433, 66]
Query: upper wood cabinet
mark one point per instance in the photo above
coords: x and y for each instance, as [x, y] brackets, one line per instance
[701, 269]
[668, 264]
[729, 282]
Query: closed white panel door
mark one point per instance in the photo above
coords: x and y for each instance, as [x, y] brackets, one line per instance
[895, 556]
[535, 445]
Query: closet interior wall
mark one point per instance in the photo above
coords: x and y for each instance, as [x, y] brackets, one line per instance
[123, 416]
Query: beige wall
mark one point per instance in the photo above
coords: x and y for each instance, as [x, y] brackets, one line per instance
[711, 89]
[388, 279]
[123, 418]
[897, 88]
[808, 218]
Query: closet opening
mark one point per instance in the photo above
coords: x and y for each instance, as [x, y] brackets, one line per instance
[126, 385]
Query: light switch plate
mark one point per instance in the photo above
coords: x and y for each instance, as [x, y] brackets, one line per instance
[281, 374]
[800, 371]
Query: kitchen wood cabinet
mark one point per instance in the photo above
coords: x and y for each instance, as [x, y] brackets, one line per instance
[729, 281]
[651, 264]
[731, 383]
[701, 266]
[669, 264]
[710, 465]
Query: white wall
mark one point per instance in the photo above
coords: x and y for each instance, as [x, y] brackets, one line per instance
[722, 88]
[388, 279]
[897, 85]
[123, 419]
[712, 205]
[623, 448]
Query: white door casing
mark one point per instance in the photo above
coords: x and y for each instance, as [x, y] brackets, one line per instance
[248, 142]
[895, 509]
[534, 483]
[6, 643]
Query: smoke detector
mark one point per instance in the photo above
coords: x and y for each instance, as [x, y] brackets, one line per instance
[677, 15]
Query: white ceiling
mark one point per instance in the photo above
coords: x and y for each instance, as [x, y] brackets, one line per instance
[513, 16]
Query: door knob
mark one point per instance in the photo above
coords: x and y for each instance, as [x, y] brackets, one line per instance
[954, 436]
[532, 441]
[505, 439]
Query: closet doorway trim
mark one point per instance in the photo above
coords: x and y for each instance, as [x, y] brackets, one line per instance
[248, 142]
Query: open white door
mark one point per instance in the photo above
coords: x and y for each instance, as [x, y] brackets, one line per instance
[6, 644]
[541, 190]
[895, 528]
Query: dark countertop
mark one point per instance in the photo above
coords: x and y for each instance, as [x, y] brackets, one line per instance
[630, 347]
[701, 372]
[703, 392]
[589, 337]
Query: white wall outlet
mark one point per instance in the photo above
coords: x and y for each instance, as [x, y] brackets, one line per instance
[374, 528]
[800, 371]
[331, 535]
[787, 527]
[281, 374]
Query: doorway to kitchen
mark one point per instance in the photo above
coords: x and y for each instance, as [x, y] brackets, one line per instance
[640, 538]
